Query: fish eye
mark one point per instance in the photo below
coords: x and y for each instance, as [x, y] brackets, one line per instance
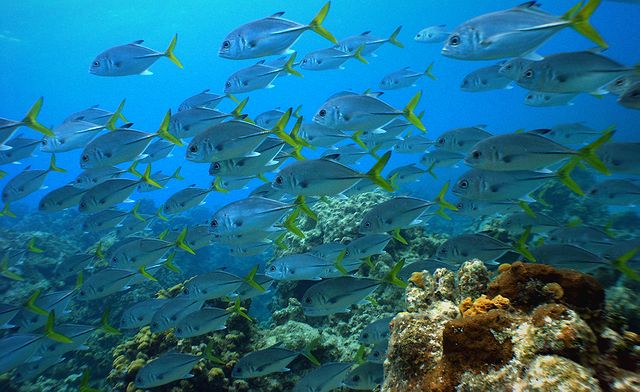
[114, 259]
[459, 206]
[365, 336]
[96, 63]
[193, 148]
[508, 67]
[238, 370]
[418, 35]
[454, 40]
[635, 94]
[228, 84]
[441, 140]
[322, 113]
[528, 73]
[347, 253]
[367, 224]
[85, 158]
[476, 154]
[279, 180]
[272, 268]
[356, 378]
[216, 165]
[463, 184]
[307, 300]
[44, 142]
[214, 223]
[226, 44]
[619, 82]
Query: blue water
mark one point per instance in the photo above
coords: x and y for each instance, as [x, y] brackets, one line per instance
[47, 48]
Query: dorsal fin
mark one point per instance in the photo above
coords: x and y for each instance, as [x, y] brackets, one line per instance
[138, 42]
[205, 91]
[127, 125]
[261, 61]
[528, 4]
[366, 32]
[277, 14]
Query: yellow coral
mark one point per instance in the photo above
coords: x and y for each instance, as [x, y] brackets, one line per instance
[417, 279]
[468, 307]
[554, 290]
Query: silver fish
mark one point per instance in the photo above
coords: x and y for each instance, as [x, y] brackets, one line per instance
[9, 127]
[140, 314]
[366, 246]
[519, 222]
[32, 369]
[131, 59]
[413, 144]
[246, 291]
[61, 198]
[167, 368]
[205, 99]
[270, 118]
[250, 249]
[215, 284]
[365, 377]
[569, 256]
[378, 352]
[302, 266]
[16, 349]
[185, 199]
[432, 34]
[269, 36]
[92, 177]
[232, 139]
[364, 112]
[542, 99]
[111, 192]
[621, 157]
[172, 312]
[371, 43]
[403, 78]
[440, 158]
[485, 79]
[56, 301]
[156, 151]
[336, 295]
[21, 148]
[572, 133]
[617, 192]
[330, 58]
[348, 154]
[478, 208]
[95, 115]
[458, 249]
[258, 76]
[105, 282]
[396, 213]
[325, 177]
[104, 220]
[516, 32]
[71, 136]
[486, 185]
[201, 322]
[406, 174]
[631, 97]
[423, 265]
[590, 238]
[248, 215]
[122, 145]
[461, 140]
[514, 67]
[26, 182]
[376, 332]
[621, 84]
[326, 378]
[7, 312]
[192, 122]
[530, 151]
[572, 72]
[263, 362]
[248, 166]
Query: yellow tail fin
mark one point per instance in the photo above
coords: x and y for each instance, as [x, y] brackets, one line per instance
[51, 334]
[237, 111]
[375, 173]
[288, 66]
[163, 130]
[408, 112]
[358, 55]
[180, 242]
[53, 167]
[31, 121]
[316, 24]
[564, 177]
[588, 153]
[580, 23]
[169, 52]
[428, 73]
[111, 123]
[146, 177]
[393, 38]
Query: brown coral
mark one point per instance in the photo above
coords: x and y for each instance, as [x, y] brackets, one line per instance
[524, 284]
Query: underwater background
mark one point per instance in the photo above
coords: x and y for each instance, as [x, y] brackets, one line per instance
[47, 48]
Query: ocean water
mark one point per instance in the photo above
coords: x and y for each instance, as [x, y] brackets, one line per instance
[47, 48]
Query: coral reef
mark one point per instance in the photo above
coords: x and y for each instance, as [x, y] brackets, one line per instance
[533, 328]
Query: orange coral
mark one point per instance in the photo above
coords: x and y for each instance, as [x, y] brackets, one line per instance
[482, 305]
[417, 279]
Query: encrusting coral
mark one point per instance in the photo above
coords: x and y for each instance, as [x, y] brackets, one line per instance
[533, 328]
